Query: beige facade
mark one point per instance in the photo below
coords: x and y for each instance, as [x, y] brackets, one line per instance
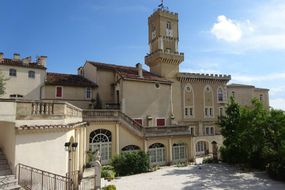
[72, 94]
[243, 94]
[34, 133]
[21, 85]
[168, 114]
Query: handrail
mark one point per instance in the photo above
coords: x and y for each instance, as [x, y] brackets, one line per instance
[144, 131]
[34, 178]
[115, 114]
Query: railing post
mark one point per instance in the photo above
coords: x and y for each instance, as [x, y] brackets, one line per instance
[31, 179]
[54, 182]
[19, 173]
[42, 180]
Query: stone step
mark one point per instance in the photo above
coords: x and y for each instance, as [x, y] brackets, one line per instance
[8, 183]
[7, 177]
[4, 167]
[2, 157]
[14, 187]
[3, 162]
[5, 172]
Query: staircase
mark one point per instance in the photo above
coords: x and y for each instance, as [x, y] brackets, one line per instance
[7, 180]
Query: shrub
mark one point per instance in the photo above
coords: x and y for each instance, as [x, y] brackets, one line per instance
[109, 187]
[130, 163]
[276, 170]
[108, 172]
[209, 161]
[182, 164]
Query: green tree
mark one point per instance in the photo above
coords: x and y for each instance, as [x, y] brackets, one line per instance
[254, 137]
[2, 84]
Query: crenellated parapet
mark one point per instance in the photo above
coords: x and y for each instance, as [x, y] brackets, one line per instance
[165, 12]
[202, 77]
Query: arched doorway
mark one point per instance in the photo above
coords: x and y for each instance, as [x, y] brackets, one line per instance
[157, 153]
[101, 139]
[215, 150]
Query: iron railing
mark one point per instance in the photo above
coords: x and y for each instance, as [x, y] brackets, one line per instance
[75, 178]
[30, 178]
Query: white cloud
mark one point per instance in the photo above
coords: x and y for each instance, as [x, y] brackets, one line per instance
[226, 29]
[264, 30]
[278, 103]
[252, 78]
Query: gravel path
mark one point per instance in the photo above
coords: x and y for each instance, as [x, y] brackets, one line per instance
[207, 176]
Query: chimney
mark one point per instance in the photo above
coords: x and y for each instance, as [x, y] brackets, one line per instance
[140, 71]
[27, 60]
[16, 57]
[80, 71]
[1, 56]
[42, 60]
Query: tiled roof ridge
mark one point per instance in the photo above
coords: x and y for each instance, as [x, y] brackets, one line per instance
[129, 72]
[68, 80]
[119, 66]
[20, 63]
[56, 73]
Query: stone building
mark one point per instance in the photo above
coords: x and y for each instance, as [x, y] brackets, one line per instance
[114, 108]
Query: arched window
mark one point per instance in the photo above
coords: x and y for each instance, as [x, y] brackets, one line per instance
[157, 153]
[188, 101]
[179, 152]
[101, 139]
[130, 148]
[208, 102]
[220, 94]
[202, 148]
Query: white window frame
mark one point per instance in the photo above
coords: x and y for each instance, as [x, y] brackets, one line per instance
[180, 148]
[154, 155]
[188, 116]
[56, 92]
[200, 147]
[188, 110]
[160, 118]
[86, 92]
[223, 95]
[209, 113]
[210, 109]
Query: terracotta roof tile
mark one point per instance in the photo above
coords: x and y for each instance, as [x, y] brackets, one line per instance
[130, 73]
[68, 80]
[19, 63]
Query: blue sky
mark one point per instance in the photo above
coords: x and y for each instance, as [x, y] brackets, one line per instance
[239, 37]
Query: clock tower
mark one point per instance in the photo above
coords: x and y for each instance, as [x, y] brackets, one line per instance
[164, 57]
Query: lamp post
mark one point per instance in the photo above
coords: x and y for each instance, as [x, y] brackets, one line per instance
[70, 147]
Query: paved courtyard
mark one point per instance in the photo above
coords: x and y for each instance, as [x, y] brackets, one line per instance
[208, 176]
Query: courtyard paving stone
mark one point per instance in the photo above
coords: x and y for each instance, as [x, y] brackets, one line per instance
[198, 177]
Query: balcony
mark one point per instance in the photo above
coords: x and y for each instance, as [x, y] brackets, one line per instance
[167, 131]
[39, 112]
[118, 116]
